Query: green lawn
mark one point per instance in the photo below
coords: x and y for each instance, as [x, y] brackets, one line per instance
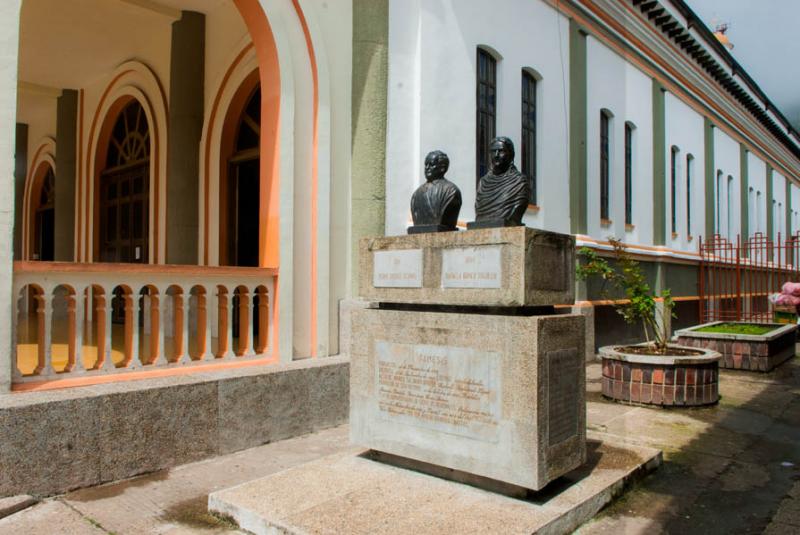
[737, 328]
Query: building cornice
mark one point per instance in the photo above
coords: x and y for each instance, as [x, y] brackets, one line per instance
[629, 30]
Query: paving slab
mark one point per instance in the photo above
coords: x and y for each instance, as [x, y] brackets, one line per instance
[175, 501]
[12, 504]
[48, 518]
[352, 493]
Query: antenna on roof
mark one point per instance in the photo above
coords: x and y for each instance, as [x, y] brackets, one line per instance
[720, 28]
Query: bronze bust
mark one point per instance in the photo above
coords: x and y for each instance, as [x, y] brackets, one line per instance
[436, 203]
[503, 192]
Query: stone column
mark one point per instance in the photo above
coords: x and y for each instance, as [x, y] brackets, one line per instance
[9, 51]
[577, 128]
[66, 175]
[186, 94]
[20, 171]
[370, 79]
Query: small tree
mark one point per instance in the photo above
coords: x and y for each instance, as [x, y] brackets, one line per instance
[640, 300]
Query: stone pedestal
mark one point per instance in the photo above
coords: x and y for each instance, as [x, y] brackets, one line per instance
[463, 364]
[515, 266]
[500, 397]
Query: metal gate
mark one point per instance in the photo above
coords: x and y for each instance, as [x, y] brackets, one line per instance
[736, 278]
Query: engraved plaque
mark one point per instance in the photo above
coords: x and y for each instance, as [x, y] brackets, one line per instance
[472, 267]
[563, 367]
[397, 269]
[448, 389]
[552, 261]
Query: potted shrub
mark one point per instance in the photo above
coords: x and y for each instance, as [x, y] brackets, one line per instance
[654, 372]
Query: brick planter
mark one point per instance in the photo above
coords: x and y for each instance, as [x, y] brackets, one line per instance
[745, 351]
[663, 381]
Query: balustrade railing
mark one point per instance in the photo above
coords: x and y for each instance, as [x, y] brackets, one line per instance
[82, 319]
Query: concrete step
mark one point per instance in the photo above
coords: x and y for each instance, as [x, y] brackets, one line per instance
[12, 504]
[350, 493]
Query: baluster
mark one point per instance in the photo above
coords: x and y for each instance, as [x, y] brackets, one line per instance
[263, 320]
[16, 330]
[44, 315]
[224, 334]
[78, 300]
[182, 301]
[103, 319]
[203, 326]
[131, 328]
[71, 330]
[245, 324]
[158, 328]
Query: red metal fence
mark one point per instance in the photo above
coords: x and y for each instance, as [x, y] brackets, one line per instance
[736, 278]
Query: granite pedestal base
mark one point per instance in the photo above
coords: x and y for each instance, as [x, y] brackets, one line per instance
[497, 396]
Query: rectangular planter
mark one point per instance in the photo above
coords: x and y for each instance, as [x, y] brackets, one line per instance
[745, 351]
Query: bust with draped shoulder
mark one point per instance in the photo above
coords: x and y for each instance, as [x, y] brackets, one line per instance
[503, 192]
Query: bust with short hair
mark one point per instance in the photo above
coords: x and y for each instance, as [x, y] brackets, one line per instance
[503, 192]
[436, 203]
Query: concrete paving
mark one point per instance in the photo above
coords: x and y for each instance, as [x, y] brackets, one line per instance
[732, 468]
[353, 493]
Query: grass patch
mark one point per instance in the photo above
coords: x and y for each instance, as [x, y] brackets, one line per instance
[737, 328]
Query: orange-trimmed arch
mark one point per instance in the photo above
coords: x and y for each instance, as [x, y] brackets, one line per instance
[269, 74]
[100, 155]
[43, 160]
[132, 79]
[227, 148]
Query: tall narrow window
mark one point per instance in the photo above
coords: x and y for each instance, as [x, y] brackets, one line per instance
[529, 131]
[628, 174]
[673, 163]
[719, 203]
[486, 109]
[759, 209]
[689, 172]
[604, 166]
[752, 215]
[728, 205]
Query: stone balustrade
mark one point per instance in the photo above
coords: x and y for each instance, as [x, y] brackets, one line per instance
[80, 319]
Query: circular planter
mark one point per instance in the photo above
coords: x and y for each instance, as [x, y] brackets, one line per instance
[664, 381]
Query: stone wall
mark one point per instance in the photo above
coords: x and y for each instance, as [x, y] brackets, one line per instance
[58, 440]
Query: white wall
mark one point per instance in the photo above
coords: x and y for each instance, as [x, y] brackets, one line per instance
[616, 86]
[432, 97]
[779, 205]
[684, 130]
[757, 206]
[727, 160]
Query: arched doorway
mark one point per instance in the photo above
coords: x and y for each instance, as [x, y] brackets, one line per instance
[241, 189]
[44, 218]
[124, 195]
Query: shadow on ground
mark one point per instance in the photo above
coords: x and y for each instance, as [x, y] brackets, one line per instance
[732, 468]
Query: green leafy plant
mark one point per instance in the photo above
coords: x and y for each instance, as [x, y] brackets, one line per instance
[640, 303]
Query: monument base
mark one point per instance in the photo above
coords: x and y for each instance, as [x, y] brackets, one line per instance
[351, 493]
[496, 396]
[492, 223]
[421, 229]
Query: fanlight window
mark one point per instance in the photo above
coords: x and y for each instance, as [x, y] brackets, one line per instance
[130, 139]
